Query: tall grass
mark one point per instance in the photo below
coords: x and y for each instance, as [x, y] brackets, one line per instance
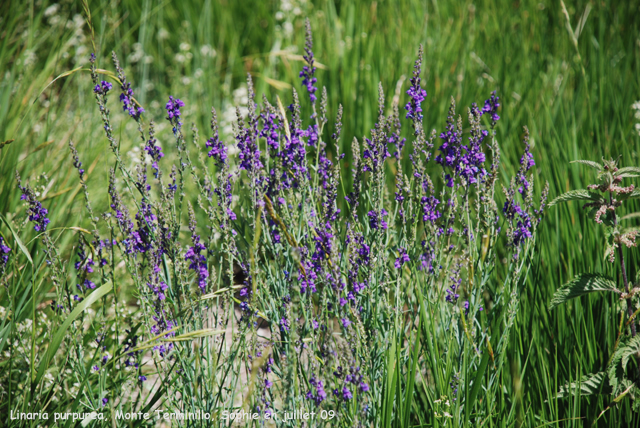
[524, 50]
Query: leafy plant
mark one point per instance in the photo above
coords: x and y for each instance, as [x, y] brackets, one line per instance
[603, 202]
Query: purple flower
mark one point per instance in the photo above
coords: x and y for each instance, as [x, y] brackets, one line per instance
[195, 254]
[452, 294]
[522, 229]
[76, 160]
[217, 149]
[308, 70]
[126, 97]
[417, 94]
[4, 254]
[102, 88]
[376, 220]
[526, 163]
[153, 150]
[376, 152]
[404, 258]
[247, 138]
[450, 150]
[173, 112]
[429, 211]
[320, 395]
[345, 322]
[105, 401]
[284, 324]
[491, 107]
[346, 394]
[37, 214]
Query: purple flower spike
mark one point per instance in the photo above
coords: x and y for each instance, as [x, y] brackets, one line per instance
[217, 149]
[404, 258]
[37, 213]
[173, 113]
[430, 213]
[154, 150]
[4, 254]
[195, 255]
[376, 220]
[491, 107]
[308, 70]
[346, 394]
[417, 94]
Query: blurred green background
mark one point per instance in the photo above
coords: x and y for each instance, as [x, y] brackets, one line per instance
[576, 98]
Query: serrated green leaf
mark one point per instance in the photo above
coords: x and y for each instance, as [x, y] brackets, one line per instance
[592, 164]
[577, 195]
[632, 348]
[581, 285]
[589, 385]
[626, 170]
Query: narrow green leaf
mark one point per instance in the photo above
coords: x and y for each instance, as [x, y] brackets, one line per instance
[581, 285]
[408, 398]
[592, 164]
[630, 216]
[56, 341]
[18, 241]
[477, 382]
[577, 195]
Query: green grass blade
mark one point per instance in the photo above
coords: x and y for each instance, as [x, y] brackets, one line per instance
[18, 240]
[62, 330]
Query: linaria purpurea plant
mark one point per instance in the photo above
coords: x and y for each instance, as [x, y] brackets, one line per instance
[259, 291]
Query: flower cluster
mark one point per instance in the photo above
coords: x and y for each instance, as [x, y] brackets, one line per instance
[102, 88]
[352, 376]
[4, 254]
[376, 219]
[154, 150]
[402, 259]
[318, 394]
[37, 213]
[173, 112]
[129, 104]
[217, 149]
